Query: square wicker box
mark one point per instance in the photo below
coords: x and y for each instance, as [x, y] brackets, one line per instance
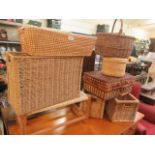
[122, 108]
[37, 82]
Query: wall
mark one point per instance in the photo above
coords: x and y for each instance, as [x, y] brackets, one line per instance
[89, 27]
[138, 33]
[151, 33]
[80, 26]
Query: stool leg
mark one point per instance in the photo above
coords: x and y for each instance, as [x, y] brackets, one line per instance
[22, 120]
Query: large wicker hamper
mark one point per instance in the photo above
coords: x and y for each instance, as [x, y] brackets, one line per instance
[45, 42]
[36, 82]
[122, 108]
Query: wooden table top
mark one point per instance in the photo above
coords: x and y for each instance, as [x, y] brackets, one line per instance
[87, 127]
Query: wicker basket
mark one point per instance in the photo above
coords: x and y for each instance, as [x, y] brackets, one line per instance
[37, 82]
[114, 45]
[122, 109]
[114, 66]
[107, 87]
[106, 95]
[97, 107]
[45, 42]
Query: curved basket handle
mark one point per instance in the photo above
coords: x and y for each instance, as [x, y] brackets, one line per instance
[121, 28]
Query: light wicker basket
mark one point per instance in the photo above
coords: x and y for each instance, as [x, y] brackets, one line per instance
[114, 45]
[114, 66]
[122, 108]
[45, 42]
[36, 82]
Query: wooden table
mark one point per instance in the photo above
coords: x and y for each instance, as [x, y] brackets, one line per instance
[86, 127]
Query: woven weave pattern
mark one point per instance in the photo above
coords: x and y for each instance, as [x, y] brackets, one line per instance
[43, 42]
[122, 109]
[106, 95]
[113, 45]
[107, 83]
[38, 82]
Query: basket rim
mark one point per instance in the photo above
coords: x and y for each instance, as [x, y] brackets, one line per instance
[21, 29]
[19, 55]
[115, 34]
[134, 101]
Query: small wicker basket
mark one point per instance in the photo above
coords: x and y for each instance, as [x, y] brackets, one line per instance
[45, 42]
[114, 66]
[36, 82]
[122, 108]
[114, 45]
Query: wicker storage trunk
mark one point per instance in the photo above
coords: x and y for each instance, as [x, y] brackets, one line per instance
[114, 66]
[45, 42]
[107, 87]
[122, 108]
[37, 82]
[114, 45]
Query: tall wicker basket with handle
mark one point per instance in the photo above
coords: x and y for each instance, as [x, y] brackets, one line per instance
[45, 42]
[114, 45]
[36, 82]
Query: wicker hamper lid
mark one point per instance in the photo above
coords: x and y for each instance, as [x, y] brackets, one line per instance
[107, 83]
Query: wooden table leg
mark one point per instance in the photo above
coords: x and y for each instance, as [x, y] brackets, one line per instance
[22, 120]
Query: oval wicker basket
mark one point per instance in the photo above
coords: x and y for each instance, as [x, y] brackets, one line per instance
[45, 42]
[114, 45]
[114, 66]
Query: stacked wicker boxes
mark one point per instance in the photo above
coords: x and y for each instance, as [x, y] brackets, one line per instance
[48, 70]
[112, 84]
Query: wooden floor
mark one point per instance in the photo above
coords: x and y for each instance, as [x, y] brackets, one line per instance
[86, 127]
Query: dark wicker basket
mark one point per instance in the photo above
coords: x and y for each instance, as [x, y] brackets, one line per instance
[114, 45]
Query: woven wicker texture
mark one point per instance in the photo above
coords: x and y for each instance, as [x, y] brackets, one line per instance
[107, 87]
[114, 66]
[45, 42]
[97, 107]
[122, 109]
[38, 82]
[107, 83]
[106, 95]
[114, 45]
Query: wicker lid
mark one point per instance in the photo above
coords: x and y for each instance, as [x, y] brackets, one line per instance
[96, 78]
